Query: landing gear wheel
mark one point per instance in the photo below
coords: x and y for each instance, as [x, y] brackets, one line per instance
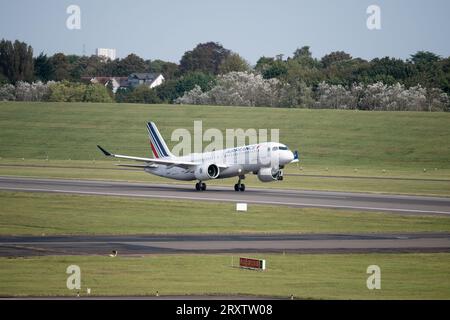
[200, 186]
[239, 186]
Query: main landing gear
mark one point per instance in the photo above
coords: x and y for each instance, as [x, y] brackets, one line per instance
[200, 186]
[239, 186]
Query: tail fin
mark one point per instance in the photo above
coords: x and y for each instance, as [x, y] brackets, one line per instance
[157, 143]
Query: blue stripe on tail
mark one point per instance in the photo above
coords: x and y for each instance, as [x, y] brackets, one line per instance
[158, 142]
[153, 140]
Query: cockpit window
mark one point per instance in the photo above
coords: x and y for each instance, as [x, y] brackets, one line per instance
[274, 148]
[283, 148]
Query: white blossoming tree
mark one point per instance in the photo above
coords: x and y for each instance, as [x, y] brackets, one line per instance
[7, 92]
[237, 89]
[35, 91]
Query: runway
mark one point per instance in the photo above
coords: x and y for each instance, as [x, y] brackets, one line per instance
[169, 244]
[11, 246]
[295, 198]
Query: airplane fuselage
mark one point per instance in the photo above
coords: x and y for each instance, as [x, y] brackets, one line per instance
[235, 161]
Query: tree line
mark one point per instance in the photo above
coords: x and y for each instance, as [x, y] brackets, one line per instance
[299, 80]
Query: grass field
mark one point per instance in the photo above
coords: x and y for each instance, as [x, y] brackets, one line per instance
[40, 213]
[340, 150]
[331, 143]
[403, 276]
[324, 137]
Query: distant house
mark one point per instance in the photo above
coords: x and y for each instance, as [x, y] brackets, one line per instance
[149, 79]
[115, 82]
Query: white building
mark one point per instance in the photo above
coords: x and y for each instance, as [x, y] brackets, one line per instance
[134, 80]
[151, 80]
[106, 53]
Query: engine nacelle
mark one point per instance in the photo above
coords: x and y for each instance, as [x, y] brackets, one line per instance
[206, 172]
[270, 174]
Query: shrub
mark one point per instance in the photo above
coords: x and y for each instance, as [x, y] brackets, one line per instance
[65, 91]
[237, 89]
[143, 94]
[36, 91]
[7, 92]
[96, 93]
[334, 97]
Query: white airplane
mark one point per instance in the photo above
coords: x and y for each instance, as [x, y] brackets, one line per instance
[219, 164]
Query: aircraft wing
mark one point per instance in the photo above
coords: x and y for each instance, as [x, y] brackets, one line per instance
[151, 161]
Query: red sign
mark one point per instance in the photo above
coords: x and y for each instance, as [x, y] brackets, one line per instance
[252, 263]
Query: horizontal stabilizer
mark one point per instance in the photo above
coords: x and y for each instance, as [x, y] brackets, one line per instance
[106, 153]
[140, 166]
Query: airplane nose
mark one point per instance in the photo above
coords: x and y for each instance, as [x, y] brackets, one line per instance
[291, 156]
[288, 156]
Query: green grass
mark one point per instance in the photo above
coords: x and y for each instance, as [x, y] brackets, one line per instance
[54, 214]
[403, 276]
[324, 137]
[342, 143]
[377, 144]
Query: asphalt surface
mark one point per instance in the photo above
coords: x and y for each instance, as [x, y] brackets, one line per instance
[314, 243]
[11, 246]
[296, 198]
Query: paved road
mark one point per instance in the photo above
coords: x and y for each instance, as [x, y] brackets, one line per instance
[297, 198]
[169, 244]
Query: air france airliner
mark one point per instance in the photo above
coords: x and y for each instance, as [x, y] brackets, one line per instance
[266, 160]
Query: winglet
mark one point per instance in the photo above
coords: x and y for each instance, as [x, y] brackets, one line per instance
[106, 153]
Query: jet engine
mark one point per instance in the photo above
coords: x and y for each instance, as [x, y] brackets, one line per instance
[206, 172]
[270, 174]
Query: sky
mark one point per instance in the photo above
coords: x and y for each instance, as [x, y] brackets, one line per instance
[253, 28]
